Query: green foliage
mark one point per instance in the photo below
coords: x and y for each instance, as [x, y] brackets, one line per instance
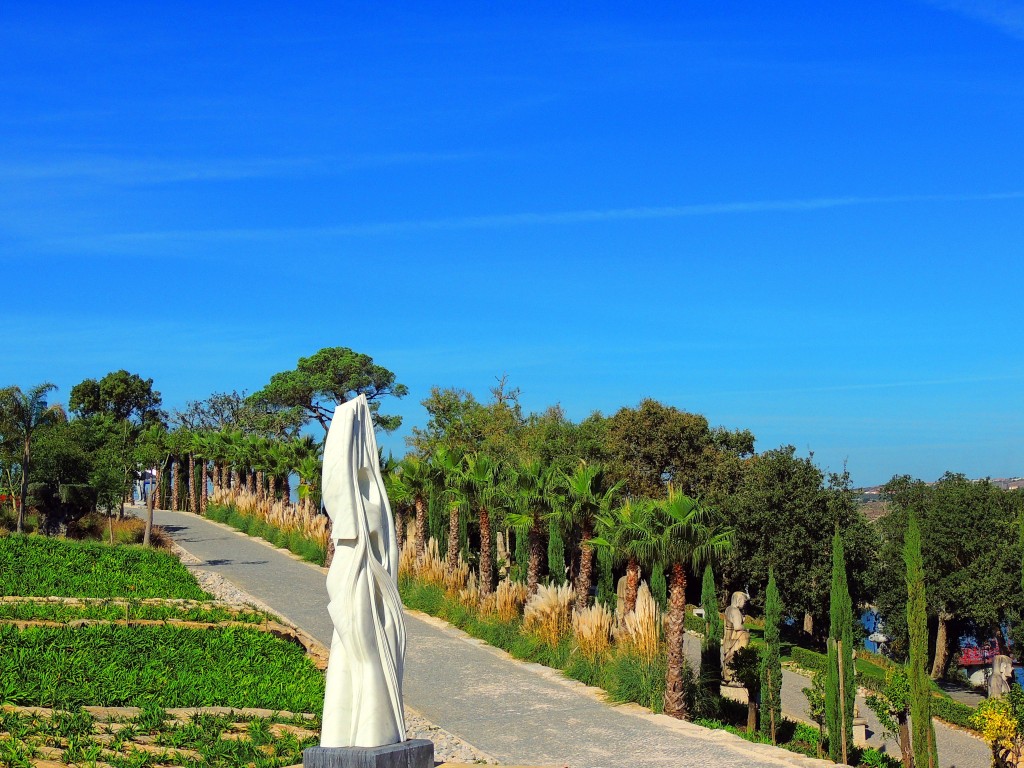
[331, 376]
[923, 730]
[892, 703]
[784, 512]
[771, 661]
[659, 585]
[840, 685]
[104, 665]
[556, 553]
[124, 396]
[133, 610]
[33, 566]
[713, 631]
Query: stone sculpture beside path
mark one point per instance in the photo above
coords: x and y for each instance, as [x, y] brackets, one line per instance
[736, 636]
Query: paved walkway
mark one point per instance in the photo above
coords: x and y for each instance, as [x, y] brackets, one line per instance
[519, 713]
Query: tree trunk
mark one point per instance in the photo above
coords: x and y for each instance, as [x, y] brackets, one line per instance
[808, 624]
[453, 537]
[261, 493]
[150, 504]
[586, 573]
[272, 488]
[23, 493]
[486, 562]
[421, 527]
[193, 496]
[632, 586]
[250, 482]
[286, 488]
[216, 477]
[203, 491]
[174, 484]
[941, 662]
[905, 749]
[400, 526]
[536, 555]
[675, 684]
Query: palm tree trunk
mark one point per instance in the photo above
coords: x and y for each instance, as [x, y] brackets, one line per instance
[216, 477]
[203, 492]
[421, 527]
[632, 586]
[272, 488]
[150, 505]
[586, 573]
[675, 684]
[942, 646]
[250, 482]
[260, 491]
[453, 537]
[536, 555]
[286, 488]
[193, 496]
[174, 484]
[400, 526]
[486, 563]
[23, 493]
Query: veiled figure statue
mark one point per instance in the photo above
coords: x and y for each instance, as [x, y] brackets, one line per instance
[736, 636]
[363, 699]
[1000, 677]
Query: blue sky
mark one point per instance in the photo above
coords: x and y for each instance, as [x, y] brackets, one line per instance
[803, 220]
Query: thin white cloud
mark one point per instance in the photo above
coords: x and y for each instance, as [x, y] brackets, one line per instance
[142, 171]
[1005, 15]
[524, 219]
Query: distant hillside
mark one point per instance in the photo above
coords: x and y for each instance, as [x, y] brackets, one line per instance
[870, 498]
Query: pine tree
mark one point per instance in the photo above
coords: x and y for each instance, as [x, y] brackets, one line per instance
[714, 630]
[840, 687]
[771, 661]
[922, 729]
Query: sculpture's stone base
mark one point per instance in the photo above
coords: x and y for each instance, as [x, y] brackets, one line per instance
[414, 753]
[735, 692]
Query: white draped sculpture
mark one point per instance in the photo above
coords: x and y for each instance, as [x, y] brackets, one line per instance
[363, 699]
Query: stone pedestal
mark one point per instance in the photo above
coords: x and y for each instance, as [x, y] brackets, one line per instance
[735, 692]
[860, 732]
[414, 753]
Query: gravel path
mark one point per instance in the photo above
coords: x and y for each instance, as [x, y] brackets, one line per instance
[518, 713]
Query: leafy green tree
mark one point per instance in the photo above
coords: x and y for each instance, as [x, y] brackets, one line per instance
[332, 376]
[556, 552]
[815, 694]
[923, 730]
[688, 536]
[152, 452]
[22, 414]
[536, 494]
[714, 632]
[840, 686]
[124, 396]
[892, 707]
[783, 513]
[972, 554]
[771, 661]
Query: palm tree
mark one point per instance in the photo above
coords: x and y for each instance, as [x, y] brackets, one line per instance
[415, 478]
[304, 460]
[585, 500]
[389, 471]
[688, 535]
[21, 414]
[630, 532]
[535, 494]
[449, 469]
[483, 482]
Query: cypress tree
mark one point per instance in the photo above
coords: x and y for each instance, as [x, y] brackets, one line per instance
[659, 585]
[556, 554]
[714, 630]
[771, 661]
[923, 731]
[840, 687]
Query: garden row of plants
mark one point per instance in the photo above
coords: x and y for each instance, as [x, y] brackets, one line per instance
[153, 666]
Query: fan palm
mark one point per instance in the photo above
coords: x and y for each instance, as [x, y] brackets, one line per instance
[586, 498]
[483, 482]
[630, 532]
[535, 495]
[415, 477]
[21, 414]
[450, 470]
[688, 535]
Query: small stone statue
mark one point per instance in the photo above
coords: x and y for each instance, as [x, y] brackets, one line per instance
[736, 636]
[1001, 676]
